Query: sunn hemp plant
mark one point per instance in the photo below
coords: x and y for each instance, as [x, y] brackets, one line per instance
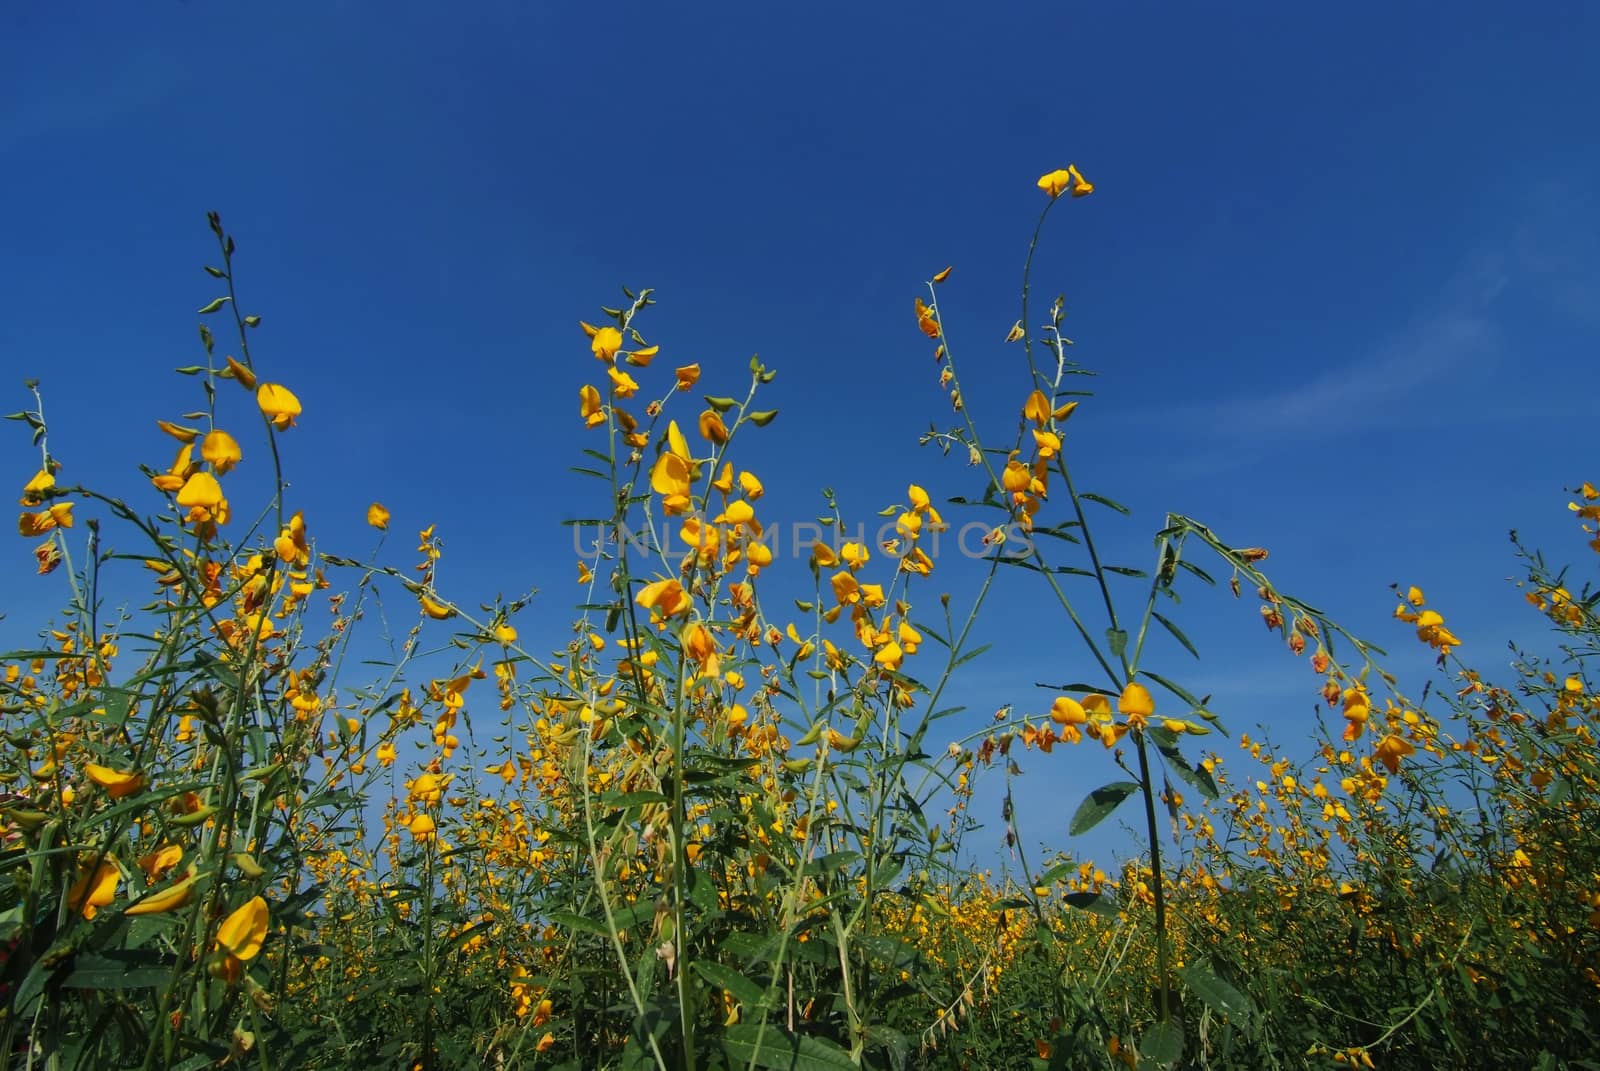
[246, 823]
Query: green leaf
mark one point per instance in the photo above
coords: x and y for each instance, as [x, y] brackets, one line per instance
[1177, 633]
[1177, 690]
[1196, 776]
[119, 969]
[721, 405]
[212, 306]
[1104, 501]
[761, 417]
[571, 920]
[769, 1046]
[1090, 901]
[1099, 804]
[742, 988]
[970, 655]
[1118, 638]
[1218, 995]
[1163, 1042]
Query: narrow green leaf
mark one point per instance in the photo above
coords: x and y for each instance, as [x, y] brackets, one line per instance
[1177, 633]
[1104, 501]
[212, 306]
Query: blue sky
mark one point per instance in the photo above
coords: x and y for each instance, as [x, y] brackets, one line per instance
[1338, 275]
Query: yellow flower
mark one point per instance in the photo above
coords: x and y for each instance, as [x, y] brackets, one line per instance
[33, 491]
[200, 490]
[942, 276]
[1081, 187]
[665, 597]
[178, 431]
[1391, 749]
[1067, 711]
[605, 343]
[246, 378]
[94, 888]
[422, 827]
[116, 783]
[688, 376]
[546, 1043]
[168, 899]
[378, 516]
[278, 404]
[221, 450]
[1056, 182]
[37, 524]
[712, 428]
[386, 754]
[750, 486]
[436, 610]
[1036, 408]
[589, 407]
[156, 863]
[241, 935]
[624, 385]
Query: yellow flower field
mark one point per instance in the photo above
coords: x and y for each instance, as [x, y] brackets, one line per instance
[721, 827]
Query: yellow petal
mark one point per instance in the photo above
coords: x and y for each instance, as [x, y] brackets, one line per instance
[378, 516]
[201, 489]
[942, 276]
[242, 933]
[246, 378]
[168, 899]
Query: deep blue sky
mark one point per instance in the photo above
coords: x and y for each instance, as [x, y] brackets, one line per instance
[1339, 273]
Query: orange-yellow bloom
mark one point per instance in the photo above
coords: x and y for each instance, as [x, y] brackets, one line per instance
[1056, 182]
[1067, 711]
[1391, 749]
[46, 520]
[202, 490]
[712, 428]
[589, 407]
[665, 597]
[434, 609]
[1081, 187]
[116, 783]
[246, 378]
[378, 516]
[95, 888]
[605, 343]
[168, 899]
[688, 376]
[222, 450]
[278, 404]
[241, 935]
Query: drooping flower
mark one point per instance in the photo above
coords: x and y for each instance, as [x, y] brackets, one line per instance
[605, 343]
[95, 888]
[688, 376]
[240, 937]
[278, 404]
[222, 450]
[1391, 749]
[589, 407]
[712, 428]
[378, 516]
[202, 491]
